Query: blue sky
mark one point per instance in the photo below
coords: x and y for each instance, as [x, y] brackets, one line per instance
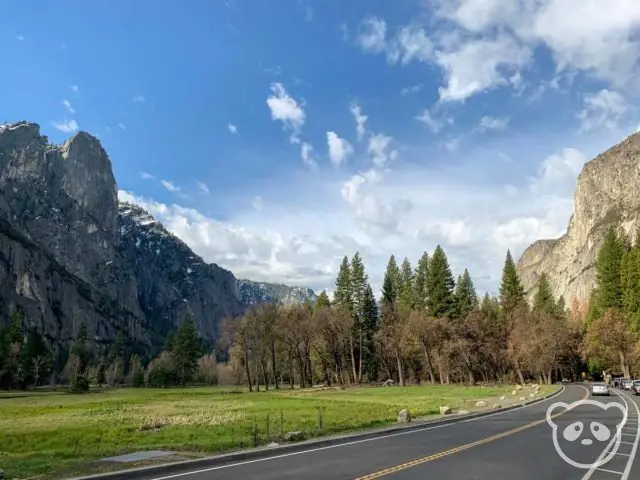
[236, 122]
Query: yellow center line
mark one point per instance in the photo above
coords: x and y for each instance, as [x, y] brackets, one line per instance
[451, 451]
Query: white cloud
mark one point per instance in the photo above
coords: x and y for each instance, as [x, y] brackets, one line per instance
[452, 144]
[66, 126]
[360, 119]
[75, 89]
[435, 124]
[285, 109]
[492, 123]
[306, 151]
[412, 89]
[122, 126]
[170, 186]
[202, 187]
[378, 149]
[372, 34]
[480, 65]
[561, 168]
[257, 204]
[20, 38]
[411, 43]
[67, 105]
[339, 148]
[232, 128]
[139, 99]
[147, 176]
[603, 110]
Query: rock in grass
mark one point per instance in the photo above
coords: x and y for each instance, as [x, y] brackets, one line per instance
[293, 436]
[463, 412]
[514, 392]
[532, 394]
[522, 399]
[445, 410]
[503, 398]
[404, 416]
[497, 405]
[518, 387]
[481, 403]
[273, 444]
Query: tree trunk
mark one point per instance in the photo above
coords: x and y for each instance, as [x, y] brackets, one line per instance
[400, 372]
[353, 359]
[360, 357]
[472, 380]
[427, 357]
[273, 365]
[623, 365]
[520, 376]
[264, 374]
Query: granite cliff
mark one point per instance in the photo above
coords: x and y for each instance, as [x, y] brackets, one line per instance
[71, 253]
[607, 195]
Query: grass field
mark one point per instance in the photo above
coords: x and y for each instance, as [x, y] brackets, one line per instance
[48, 435]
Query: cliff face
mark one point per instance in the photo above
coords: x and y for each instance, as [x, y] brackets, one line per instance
[69, 253]
[607, 194]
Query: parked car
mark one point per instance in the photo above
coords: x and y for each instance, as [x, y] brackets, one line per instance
[636, 387]
[599, 389]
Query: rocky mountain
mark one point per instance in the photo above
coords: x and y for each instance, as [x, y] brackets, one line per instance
[252, 293]
[607, 194]
[70, 253]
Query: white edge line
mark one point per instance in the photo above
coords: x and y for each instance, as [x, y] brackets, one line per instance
[604, 453]
[609, 471]
[632, 456]
[302, 452]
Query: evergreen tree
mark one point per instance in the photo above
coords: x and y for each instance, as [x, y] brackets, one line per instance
[187, 349]
[82, 350]
[35, 359]
[390, 284]
[11, 338]
[370, 327]
[511, 290]
[342, 296]
[631, 286]
[168, 342]
[406, 292]
[440, 284]
[358, 285]
[466, 298]
[323, 300]
[543, 301]
[608, 272]
[420, 282]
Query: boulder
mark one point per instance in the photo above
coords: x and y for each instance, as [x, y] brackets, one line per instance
[294, 436]
[497, 405]
[445, 410]
[273, 444]
[514, 392]
[481, 403]
[503, 398]
[522, 399]
[518, 387]
[404, 416]
[463, 412]
[532, 394]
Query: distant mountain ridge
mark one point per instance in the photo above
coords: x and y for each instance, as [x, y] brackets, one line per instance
[70, 253]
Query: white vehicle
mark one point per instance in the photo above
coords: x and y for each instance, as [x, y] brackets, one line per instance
[599, 389]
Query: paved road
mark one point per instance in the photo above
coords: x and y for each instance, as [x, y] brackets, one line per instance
[503, 446]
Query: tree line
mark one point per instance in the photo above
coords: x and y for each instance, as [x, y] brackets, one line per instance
[427, 326]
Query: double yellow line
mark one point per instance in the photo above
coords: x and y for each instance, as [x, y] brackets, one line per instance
[445, 453]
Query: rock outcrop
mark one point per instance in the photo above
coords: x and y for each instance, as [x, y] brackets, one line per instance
[252, 293]
[607, 194]
[70, 253]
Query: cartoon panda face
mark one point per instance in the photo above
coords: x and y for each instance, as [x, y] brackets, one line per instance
[581, 436]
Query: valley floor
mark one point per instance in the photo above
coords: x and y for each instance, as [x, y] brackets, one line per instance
[56, 434]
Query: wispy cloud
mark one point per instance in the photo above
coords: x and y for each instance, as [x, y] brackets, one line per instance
[411, 89]
[170, 186]
[75, 89]
[68, 106]
[344, 30]
[493, 123]
[20, 38]
[257, 204]
[433, 122]
[202, 187]
[139, 99]
[339, 148]
[308, 14]
[286, 109]
[232, 128]
[66, 126]
[122, 126]
[360, 119]
[147, 176]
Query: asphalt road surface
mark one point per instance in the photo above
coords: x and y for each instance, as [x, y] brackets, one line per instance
[506, 445]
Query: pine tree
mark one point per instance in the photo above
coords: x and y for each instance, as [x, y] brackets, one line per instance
[440, 284]
[420, 282]
[370, 323]
[608, 272]
[323, 300]
[406, 285]
[391, 283]
[342, 296]
[511, 290]
[543, 301]
[466, 298]
[186, 350]
[358, 284]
